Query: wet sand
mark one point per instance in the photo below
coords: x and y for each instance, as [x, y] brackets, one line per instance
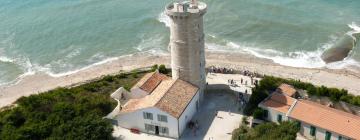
[40, 82]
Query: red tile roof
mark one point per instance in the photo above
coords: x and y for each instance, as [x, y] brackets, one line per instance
[327, 118]
[177, 98]
[279, 102]
[171, 96]
[287, 89]
[150, 81]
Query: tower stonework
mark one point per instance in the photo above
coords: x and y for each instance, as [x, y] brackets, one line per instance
[187, 44]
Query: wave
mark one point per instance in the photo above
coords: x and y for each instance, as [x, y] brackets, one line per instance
[355, 30]
[303, 59]
[52, 74]
[6, 59]
[164, 19]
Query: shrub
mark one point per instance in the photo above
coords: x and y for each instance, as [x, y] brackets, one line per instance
[134, 74]
[267, 131]
[259, 113]
[65, 113]
[162, 69]
[154, 67]
[109, 78]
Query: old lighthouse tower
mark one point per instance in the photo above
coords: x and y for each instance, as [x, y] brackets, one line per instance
[187, 42]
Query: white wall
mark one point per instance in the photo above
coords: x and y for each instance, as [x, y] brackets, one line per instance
[320, 133]
[272, 114]
[136, 120]
[305, 128]
[187, 115]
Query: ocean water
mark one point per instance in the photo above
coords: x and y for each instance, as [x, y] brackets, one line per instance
[60, 37]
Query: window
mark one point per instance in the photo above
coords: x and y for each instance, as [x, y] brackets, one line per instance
[312, 131]
[162, 118]
[340, 138]
[148, 115]
[279, 118]
[328, 135]
[164, 130]
[149, 127]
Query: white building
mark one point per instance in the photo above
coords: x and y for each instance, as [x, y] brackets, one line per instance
[316, 121]
[159, 105]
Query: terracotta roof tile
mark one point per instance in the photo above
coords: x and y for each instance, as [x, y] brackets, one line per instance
[279, 102]
[150, 100]
[177, 98]
[171, 96]
[327, 118]
[150, 81]
[287, 89]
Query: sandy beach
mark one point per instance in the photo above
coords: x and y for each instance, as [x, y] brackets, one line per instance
[40, 82]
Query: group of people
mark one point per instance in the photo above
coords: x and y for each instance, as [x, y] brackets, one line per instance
[194, 126]
[251, 74]
[253, 81]
[222, 70]
[225, 70]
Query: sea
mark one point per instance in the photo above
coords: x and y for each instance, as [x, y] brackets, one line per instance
[60, 37]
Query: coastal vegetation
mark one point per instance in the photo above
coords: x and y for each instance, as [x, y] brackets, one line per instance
[267, 131]
[269, 84]
[161, 68]
[66, 113]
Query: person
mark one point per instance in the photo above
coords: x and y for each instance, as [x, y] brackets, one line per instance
[216, 113]
[196, 124]
[245, 91]
[241, 80]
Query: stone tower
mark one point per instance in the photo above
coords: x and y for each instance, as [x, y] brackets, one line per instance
[187, 42]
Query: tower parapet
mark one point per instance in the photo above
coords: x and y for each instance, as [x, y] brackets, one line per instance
[187, 43]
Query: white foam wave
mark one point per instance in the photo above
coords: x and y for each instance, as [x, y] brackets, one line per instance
[6, 59]
[303, 59]
[52, 74]
[355, 30]
[164, 19]
[354, 26]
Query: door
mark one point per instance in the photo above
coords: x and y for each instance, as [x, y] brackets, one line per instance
[156, 130]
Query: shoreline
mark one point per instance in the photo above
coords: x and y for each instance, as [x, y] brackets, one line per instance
[340, 78]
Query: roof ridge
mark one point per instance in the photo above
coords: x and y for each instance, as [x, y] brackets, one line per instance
[291, 108]
[172, 84]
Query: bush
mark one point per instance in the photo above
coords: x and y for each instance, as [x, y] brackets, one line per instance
[109, 78]
[267, 131]
[154, 68]
[162, 69]
[62, 113]
[259, 113]
[134, 74]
